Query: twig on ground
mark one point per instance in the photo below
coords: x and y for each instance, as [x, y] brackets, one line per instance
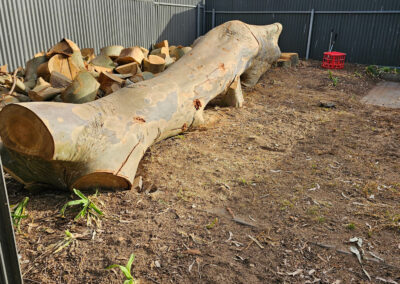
[349, 253]
[14, 80]
[255, 240]
[242, 222]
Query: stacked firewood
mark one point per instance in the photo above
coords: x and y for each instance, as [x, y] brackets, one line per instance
[68, 74]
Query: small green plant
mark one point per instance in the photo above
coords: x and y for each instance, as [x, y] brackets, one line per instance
[334, 80]
[351, 226]
[89, 210]
[372, 70]
[68, 239]
[18, 213]
[286, 204]
[126, 270]
[357, 74]
[375, 71]
[212, 224]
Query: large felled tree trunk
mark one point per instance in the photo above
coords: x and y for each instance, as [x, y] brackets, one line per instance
[100, 144]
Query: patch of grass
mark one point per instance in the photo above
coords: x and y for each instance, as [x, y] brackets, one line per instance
[18, 213]
[286, 204]
[369, 188]
[185, 194]
[126, 270]
[89, 210]
[313, 210]
[334, 80]
[351, 226]
[375, 71]
[162, 201]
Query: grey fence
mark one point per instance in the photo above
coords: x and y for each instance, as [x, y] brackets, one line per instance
[30, 26]
[368, 31]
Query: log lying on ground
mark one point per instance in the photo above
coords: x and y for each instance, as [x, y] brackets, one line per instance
[44, 91]
[130, 68]
[88, 54]
[112, 51]
[100, 144]
[131, 54]
[154, 64]
[109, 82]
[83, 89]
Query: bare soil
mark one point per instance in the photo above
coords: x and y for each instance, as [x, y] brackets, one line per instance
[299, 178]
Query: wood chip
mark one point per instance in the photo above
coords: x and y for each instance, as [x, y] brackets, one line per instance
[192, 251]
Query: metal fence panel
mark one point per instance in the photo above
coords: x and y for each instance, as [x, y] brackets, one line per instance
[30, 26]
[10, 272]
[369, 38]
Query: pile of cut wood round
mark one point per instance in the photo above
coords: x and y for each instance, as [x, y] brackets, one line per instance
[68, 74]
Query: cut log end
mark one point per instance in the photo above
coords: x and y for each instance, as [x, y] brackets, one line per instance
[102, 180]
[25, 132]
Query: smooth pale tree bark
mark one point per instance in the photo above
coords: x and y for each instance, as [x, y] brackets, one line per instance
[100, 144]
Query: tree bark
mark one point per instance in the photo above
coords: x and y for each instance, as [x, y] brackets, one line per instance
[100, 144]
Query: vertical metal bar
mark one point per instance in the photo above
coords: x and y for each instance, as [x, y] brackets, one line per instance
[204, 18]
[10, 272]
[309, 34]
[213, 18]
[198, 20]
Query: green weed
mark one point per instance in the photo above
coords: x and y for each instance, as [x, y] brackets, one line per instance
[351, 226]
[285, 204]
[68, 239]
[18, 213]
[375, 71]
[126, 270]
[334, 80]
[89, 210]
[212, 224]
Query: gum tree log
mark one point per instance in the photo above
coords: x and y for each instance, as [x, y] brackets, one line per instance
[100, 144]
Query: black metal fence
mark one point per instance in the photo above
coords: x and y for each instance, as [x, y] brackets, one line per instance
[368, 31]
[9, 266]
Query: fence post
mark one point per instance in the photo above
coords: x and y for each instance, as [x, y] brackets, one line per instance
[213, 19]
[309, 34]
[10, 272]
[204, 18]
[198, 20]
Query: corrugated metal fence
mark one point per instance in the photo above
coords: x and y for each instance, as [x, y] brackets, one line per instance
[368, 31]
[30, 26]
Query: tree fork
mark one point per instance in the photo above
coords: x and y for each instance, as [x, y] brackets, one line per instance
[100, 144]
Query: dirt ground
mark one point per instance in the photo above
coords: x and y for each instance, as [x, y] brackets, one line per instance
[300, 179]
